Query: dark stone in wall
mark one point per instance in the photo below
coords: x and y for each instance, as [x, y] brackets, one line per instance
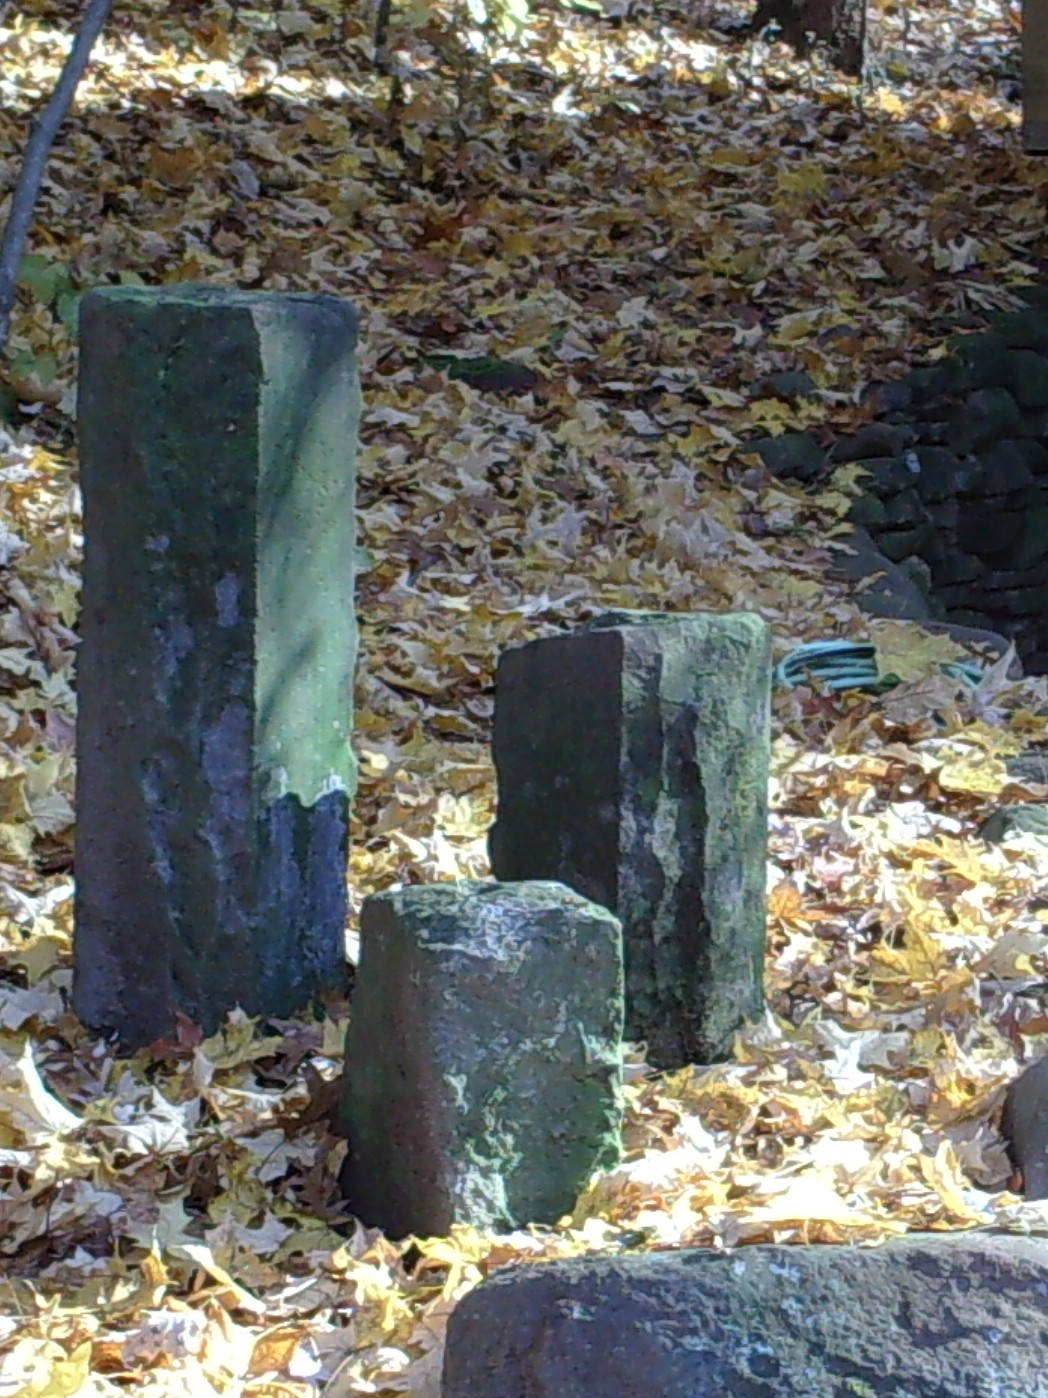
[874, 439]
[904, 510]
[1026, 329]
[989, 415]
[985, 357]
[1004, 467]
[958, 567]
[898, 544]
[945, 515]
[1029, 378]
[792, 456]
[886, 475]
[888, 398]
[1001, 579]
[1034, 453]
[988, 534]
[940, 473]
[788, 385]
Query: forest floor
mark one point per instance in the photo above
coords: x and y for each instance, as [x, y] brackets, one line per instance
[646, 218]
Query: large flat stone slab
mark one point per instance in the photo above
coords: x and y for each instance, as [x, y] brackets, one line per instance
[927, 1316]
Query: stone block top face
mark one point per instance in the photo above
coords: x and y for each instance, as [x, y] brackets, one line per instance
[194, 295]
[629, 616]
[479, 916]
[744, 622]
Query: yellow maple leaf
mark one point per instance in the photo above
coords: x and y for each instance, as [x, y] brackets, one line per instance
[908, 651]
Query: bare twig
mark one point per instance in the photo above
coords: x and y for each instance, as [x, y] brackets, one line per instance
[381, 41]
[38, 147]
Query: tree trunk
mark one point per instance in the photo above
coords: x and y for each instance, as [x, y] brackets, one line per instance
[38, 147]
[839, 24]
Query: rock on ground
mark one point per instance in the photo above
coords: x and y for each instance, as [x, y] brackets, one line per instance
[927, 1316]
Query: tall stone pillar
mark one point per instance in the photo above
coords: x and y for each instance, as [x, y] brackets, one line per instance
[217, 444]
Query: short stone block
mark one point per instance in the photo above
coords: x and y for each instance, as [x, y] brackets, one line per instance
[632, 761]
[1024, 1123]
[927, 1316]
[217, 436]
[483, 1079]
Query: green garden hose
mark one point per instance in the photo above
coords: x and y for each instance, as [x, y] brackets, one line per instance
[852, 665]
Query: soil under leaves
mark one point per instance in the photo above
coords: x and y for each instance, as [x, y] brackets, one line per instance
[643, 218]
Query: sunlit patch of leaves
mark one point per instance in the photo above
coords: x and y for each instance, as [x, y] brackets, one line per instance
[623, 221]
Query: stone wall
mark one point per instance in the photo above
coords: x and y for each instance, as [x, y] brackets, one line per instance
[955, 473]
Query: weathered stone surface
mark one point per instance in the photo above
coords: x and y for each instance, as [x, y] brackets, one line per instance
[1034, 454]
[1029, 766]
[1003, 579]
[1017, 602]
[959, 567]
[1025, 819]
[1031, 547]
[887, 589]
[483, 1058]
[934, 432]
[985, 358]
[788, 384]
[989, 534]
[1024, 1124]
[928, 383]
[926, 1316]
[889, 397]
[874, 439]
[945, 516]
[1029, 378]
[1034, 424]
[1004, 468]
[966, 616]
[1022, 329]
[898, 544]
[988, 415]
[792, 456]
[217, 433]
[868, 511]
[904, 510]
[941, 474]
[885, 475]
[632, 765]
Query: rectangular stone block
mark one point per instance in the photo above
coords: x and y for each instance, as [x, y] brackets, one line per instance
[217, 441]
[632, 761]
[483, 1078]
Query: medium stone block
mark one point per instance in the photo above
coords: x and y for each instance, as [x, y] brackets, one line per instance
[483, 1079]
[217, 437]
[632, 761]
[1024, 1123]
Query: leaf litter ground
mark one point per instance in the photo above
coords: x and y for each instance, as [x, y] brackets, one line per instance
[644, 219]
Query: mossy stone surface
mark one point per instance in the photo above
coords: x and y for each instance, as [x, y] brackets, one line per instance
[217, 443]
[483, 1070]
[632, 763]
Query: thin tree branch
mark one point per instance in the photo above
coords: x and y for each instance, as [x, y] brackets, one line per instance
[38, 147]
[381, 39]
